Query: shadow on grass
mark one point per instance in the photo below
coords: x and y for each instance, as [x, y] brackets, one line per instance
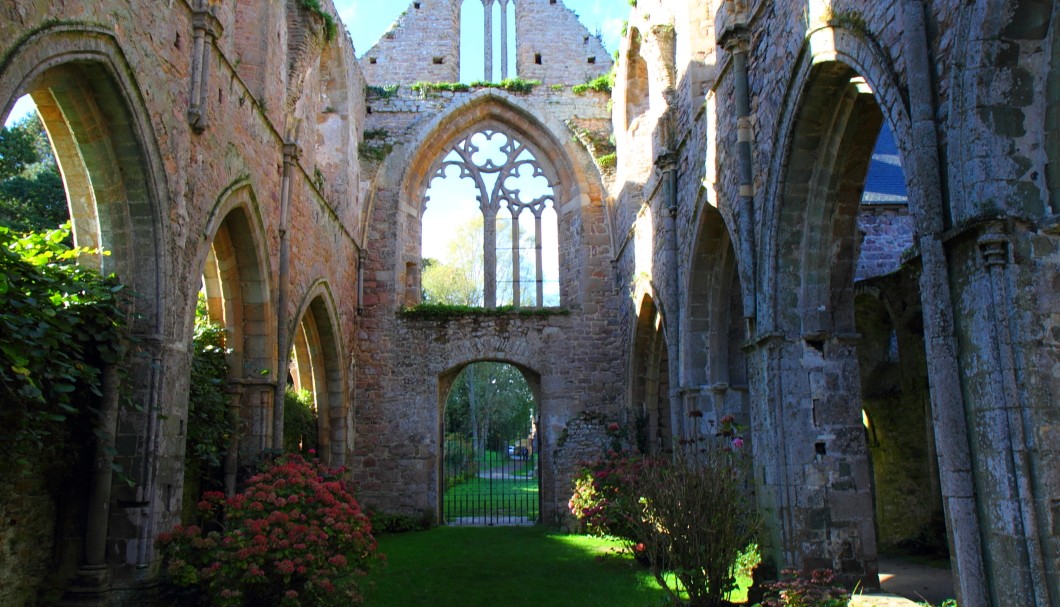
[507, 566]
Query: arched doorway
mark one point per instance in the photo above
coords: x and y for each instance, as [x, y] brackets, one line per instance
[491, 462]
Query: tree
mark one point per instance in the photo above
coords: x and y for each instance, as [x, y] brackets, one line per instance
[490, 402]
[457, 280]
[32, 197]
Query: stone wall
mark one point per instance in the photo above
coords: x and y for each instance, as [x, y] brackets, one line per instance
[422, 45]
[553, 46]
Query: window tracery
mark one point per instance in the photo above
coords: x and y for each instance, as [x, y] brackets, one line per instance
[512, 189]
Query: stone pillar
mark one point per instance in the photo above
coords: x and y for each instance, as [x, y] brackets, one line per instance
[93, 576]
[487, 44]
[290, 158]
[206, 29]
[947, 404]
[504, 39]
[1007, 460]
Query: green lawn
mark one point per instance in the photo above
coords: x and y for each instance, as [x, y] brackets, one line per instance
[509, 567]
[509, 497]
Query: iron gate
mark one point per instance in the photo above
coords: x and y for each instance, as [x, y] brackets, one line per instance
[495, 484]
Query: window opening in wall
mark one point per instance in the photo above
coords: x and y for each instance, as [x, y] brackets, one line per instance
[491, 472]
[373, 60]
[487, 40]
[415, 5]
[490, 229]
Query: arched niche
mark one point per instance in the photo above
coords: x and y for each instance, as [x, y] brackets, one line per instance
[319, 368]
[650, 377]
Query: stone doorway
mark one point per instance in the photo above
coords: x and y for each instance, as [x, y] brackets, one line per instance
[491, 462]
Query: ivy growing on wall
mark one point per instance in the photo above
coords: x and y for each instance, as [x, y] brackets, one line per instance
[60, 322]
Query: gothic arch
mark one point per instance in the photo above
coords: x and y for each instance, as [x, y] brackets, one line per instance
[841, 93]
[714, 363]
[654, 416]
[92, 107]
[830, 59]
[576, 182]
[236, 279]
[105, 145]
[320, 367]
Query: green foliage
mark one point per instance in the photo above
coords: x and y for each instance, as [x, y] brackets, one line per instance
[32, 197]
[295, 538]
[381, 92]
[512, 85]
[299, 422]
[797, 591]
[601, 84]
[425, 88]
[460, 461]
[374, 152]
[557, 87]
[209, 427]
[331, 25]
[388, 522]
[439, 311]
[608, 161]
[376, 134]
[59, 323]
[696, 517]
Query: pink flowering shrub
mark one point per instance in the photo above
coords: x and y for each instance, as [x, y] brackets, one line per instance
[295, 537]
[796, 591]
[605, 498]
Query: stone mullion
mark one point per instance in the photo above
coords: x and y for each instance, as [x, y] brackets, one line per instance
[489, 256]
[504, 39]
[516, 295]
[539, 259]
[487, 44]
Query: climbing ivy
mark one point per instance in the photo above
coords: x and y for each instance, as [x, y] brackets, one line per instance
[440, 311]
[60, 322]
[331, 26]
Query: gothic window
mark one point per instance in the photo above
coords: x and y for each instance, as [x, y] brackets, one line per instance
[490, 226]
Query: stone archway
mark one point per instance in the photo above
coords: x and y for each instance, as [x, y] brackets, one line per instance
[94, 113]
[654, 416]
[490, 470]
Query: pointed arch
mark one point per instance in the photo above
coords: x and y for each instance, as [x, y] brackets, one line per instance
[320, 367]
[650, 377]
[575, 179]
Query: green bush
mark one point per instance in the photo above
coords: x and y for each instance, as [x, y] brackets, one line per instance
[600, 84]
[209, 428]
[460, 461]
[696, 519]
[60, 322]
[299, 422]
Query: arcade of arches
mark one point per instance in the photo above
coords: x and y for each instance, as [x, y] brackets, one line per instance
[835, 220]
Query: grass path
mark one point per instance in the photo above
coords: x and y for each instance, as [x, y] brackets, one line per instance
[509, 567]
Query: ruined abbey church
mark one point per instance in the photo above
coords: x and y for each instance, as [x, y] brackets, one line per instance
[894, 354]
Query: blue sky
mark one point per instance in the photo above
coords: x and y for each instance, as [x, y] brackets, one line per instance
[368, 19]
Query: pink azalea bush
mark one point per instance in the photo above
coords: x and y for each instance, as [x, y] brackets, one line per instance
[604, 500]
[296, 537]
[793, 590]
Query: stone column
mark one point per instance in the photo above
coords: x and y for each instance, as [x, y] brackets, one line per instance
[504, 39]
[487, 44]
[1008, 458]
[947, 403]
[206, 29]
